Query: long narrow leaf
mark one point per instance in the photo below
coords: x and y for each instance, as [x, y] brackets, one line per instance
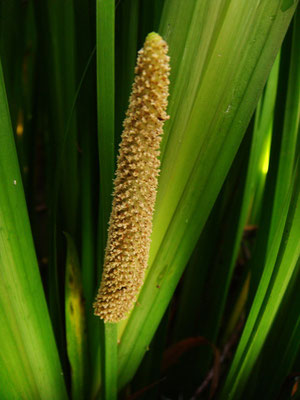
[268, 298]
[106, 104]
[226, 50]
[75, 323]
[30, 365]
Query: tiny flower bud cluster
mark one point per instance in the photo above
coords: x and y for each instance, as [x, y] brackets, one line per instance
[135, 185]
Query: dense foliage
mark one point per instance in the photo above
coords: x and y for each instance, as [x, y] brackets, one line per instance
[218, 314]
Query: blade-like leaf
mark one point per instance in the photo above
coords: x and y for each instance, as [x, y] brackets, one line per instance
[105, 111]
[221, 54]
[276, 256]
[75, 322]
[283, 148]
[29, 360]
[272, 287]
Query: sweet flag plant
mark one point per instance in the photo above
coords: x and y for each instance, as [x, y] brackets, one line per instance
[177, 222]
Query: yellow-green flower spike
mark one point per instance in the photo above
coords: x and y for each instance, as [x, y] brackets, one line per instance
[135, 185]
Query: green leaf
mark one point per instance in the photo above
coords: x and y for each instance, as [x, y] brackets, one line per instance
[272, 367]
[127, 22]
[30, 366]
[221, 55]
[277, 274]
[276, 256]
[75, 322]
[105, 111]
[283, 150]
